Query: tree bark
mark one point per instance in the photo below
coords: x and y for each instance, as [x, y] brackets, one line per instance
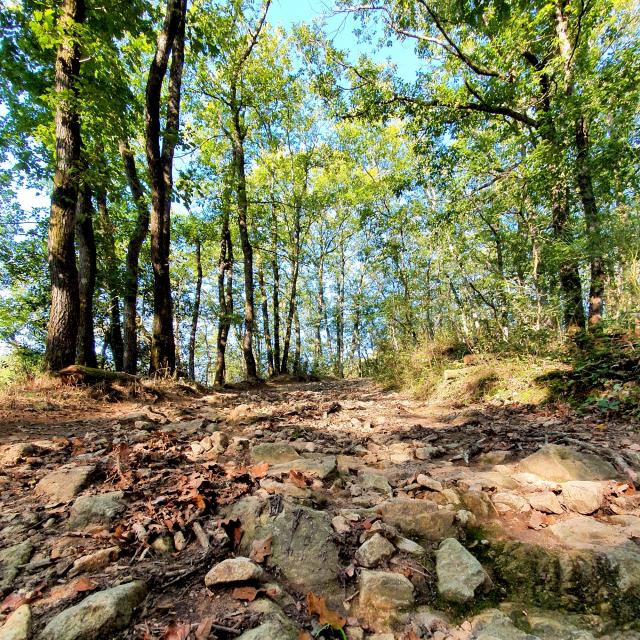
[111, 267]
[340, 314]
[87, 266]
[294, 290]
[297, 354]
[265, 322]
[62, 329]
[225, 292]
[237, 139]
[140, 231]
[276, 298]
[196, 311]
[160, 162]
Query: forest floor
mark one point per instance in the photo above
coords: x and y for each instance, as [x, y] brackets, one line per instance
[340, 493]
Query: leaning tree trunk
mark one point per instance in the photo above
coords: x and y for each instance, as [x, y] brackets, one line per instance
[247, 250]
[140, 231]
[225, 294]
[196, 312]
[170, 42]
[87, 266]
[62, 329]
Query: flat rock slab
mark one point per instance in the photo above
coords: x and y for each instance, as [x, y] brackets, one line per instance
[558, 463]
[582, 532]
[64, 484]
[315, 465]
[421, 519]
[98, 616]
[233, 570]
[17, 625]
[375, 550]
[496, 625]
[545, 501]
[274, 453]
[100, 509]
[459, 572]
[384, 590]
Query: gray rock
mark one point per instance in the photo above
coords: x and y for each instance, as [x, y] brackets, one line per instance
[186, 426]
[384, 590]
[100, 615]
[420, 519]
[313, 464]
[375, 550]
[13, 454]
[545, 501]
[10, 560]
[233, 570]
[459, 573]
[587, 533]
[495, 625]
[425, 453]
[101, 509]
[95, 561]
[409, 546]
[219, 441]
[429, 483]
[276, 625]
[274, 453]
[506, 501]
[374, 481]
[583, 496]
[562, 464]
[64, 484]
[17, 625]
[552, 626]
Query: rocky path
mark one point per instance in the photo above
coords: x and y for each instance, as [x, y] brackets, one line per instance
[323, 509]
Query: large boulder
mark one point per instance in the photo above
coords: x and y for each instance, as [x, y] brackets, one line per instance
[558, 463]
[459, 573]
[496, 625]
[100, 615]
[420, 519]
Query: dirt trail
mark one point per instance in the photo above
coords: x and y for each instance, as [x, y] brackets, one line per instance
[163, 492]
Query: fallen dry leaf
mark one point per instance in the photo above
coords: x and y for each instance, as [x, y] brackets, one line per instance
[12, 602]
[176, 631]
[260, 549]
[204, 629]
[317, 605]
[245, 593]
[259, 470]
[298, 479]
[305, 635]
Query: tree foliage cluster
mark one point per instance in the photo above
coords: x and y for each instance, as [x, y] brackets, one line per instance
[230, 199]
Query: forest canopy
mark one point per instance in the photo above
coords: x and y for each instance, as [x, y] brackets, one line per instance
[229, 198]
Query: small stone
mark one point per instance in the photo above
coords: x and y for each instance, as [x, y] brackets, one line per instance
[459, 573]
[583, 496]
[18, 625]
[341, 524]
[274, 453]
[179, 541]
[197, 448]
[219, 441]
[374, 481]
[13, 454]
[506, 501]
[143, 425]
[11, 559]
[354, 633]
[100, 615]
[382, 636]
[465, 518]
[419, 519]
[545, 501]
[425, 453]
[429, 483]
[64, 484]
[186, 426]
[94, 561]
[233, 570]
[384, 590]
[375, 550]
[163, 545]
[410, 547]
[101, 509]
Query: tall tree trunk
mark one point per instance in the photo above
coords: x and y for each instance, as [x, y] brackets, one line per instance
[340, 315]
[237, 135]
[265, 322]
[111, 268]
[317, 347]
[225, 292]
[196, 312]
[170, 42]
[87, 266]
[140, 231]
[62, 329]
[294, 290]
[276, 298]
[592, 220]
[297, 354]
